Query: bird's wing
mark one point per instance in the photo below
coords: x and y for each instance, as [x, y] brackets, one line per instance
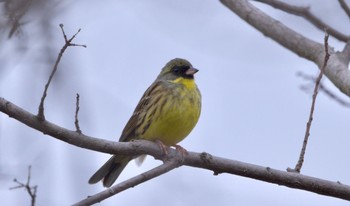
[132, 128]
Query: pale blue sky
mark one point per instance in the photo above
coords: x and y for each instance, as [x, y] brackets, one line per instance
[253, 109]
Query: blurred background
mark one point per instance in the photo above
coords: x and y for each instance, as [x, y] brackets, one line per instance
[253, 107]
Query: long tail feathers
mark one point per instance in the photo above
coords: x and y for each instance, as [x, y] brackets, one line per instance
[110, 171]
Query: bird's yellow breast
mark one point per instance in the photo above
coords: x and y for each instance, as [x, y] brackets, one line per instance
[179, 115]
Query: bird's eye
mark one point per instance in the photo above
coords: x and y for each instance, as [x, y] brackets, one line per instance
[176, 70]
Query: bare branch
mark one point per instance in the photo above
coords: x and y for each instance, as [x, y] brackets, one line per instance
[68, 43]
[324, 89]
[31, 190]
[306, 14]
[309, 122]
[336, 71]
[76, 122]
[130, 183]
[345, 54]
[200, 160]
[345, 7]
[15, 11]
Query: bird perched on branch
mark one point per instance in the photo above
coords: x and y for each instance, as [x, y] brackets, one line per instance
[166, 113]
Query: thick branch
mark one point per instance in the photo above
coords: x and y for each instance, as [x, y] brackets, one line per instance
[306, 14]
[345, 54]
[336, 69]
[200, 160]
[345, 7]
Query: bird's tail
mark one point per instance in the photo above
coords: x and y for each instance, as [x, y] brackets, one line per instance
[111, 170]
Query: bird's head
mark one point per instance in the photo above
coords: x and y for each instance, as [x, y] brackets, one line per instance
[177, 68]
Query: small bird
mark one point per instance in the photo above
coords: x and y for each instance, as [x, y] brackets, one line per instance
[167, 113]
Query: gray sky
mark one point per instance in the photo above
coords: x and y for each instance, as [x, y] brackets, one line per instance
[253, 108]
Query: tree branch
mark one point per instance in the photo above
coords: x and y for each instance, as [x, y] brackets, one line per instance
[322, 88]
[16, 10]
[306, 14]
[130, 183]
[312, 108]
[345, 53]
[336, 70]
[68, 43]
[345, 7]
[76, 122]
[200, 160]
[31, 190]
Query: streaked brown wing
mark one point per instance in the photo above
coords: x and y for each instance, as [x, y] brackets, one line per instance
[130, 130]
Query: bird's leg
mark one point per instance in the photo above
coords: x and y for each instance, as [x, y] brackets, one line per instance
[162, 146]
[182, 151]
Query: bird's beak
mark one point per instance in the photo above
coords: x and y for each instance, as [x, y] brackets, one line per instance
[191, 71]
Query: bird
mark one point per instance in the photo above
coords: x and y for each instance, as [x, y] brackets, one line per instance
[166, 113]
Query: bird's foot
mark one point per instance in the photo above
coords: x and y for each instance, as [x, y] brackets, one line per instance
[182, 151]
[162, 146]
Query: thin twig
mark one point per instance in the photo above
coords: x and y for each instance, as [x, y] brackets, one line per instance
[324, 89]
[130, 183]
[68, 43]
[306, 14]
[77, 127]
[345, 7]
[31, 190]
[308, 125]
